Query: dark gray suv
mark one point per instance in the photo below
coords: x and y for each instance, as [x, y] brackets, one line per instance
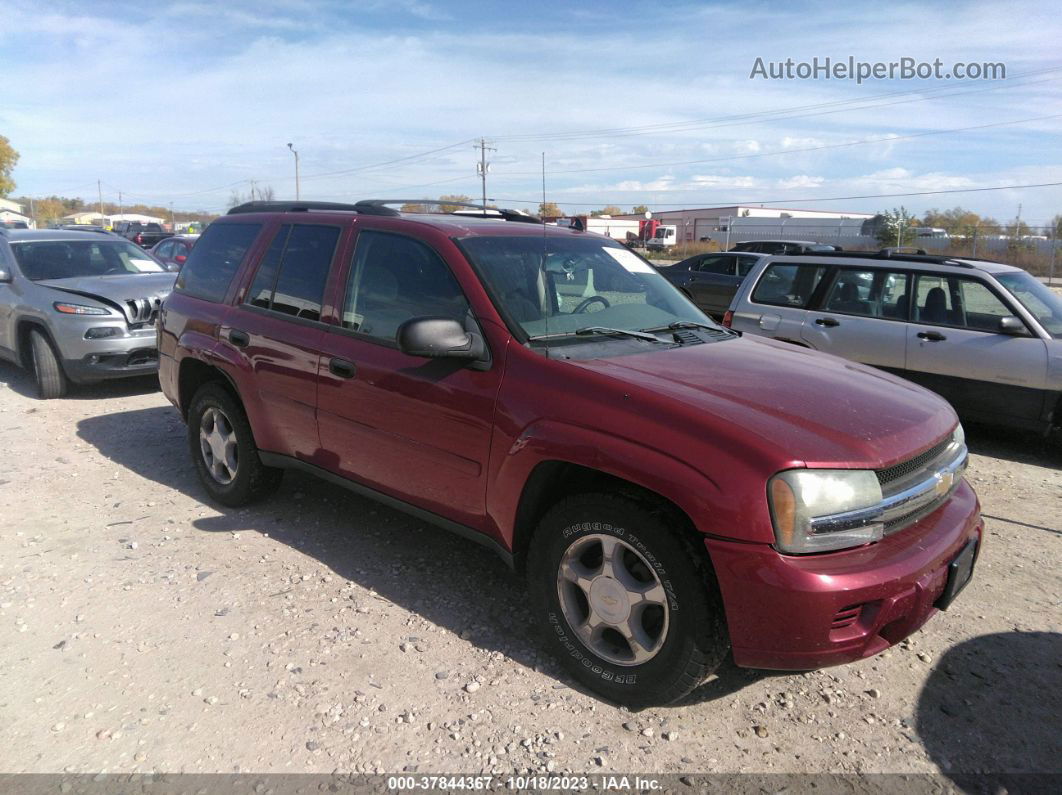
[78, 306]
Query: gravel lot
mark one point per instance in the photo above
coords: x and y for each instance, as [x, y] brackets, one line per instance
[146, 630]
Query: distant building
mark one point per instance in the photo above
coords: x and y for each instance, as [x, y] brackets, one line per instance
[85, 217]
[712, 223]
[11, 215]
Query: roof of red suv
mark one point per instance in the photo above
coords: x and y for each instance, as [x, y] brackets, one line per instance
[464, 223]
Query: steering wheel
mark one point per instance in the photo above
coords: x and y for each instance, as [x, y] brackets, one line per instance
[585, 303]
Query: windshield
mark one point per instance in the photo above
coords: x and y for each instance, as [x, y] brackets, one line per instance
[1044, 304]
[70, 259]
[558, 285]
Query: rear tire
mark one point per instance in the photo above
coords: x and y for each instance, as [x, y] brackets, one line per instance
[48, 372]
[627, 602]
[223, 449]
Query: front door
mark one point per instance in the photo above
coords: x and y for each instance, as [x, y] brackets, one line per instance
[862, 318]
[954, 347]
[417, 429]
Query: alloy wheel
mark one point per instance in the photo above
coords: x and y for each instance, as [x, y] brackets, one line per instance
[217, 440]
[613, 599]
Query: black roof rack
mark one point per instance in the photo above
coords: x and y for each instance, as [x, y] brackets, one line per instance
[380, 207]
[891, 254]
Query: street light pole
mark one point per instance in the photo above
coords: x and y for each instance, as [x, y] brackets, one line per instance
[294, 152]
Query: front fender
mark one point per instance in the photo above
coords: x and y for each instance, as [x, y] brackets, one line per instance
[714, 507]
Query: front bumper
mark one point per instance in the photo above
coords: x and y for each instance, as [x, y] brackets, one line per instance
[792, 612]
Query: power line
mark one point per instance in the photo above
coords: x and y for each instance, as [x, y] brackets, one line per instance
[747, 203]
[799, 111]
[775, 153]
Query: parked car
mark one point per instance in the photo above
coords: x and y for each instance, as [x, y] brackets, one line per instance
[173, 251]
[671, 490]
[784, 246]
[82, 228]
[986, 336]
[710, 280]
[78, 306]
[144, 235]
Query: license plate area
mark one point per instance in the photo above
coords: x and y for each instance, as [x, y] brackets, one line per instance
[960, 571]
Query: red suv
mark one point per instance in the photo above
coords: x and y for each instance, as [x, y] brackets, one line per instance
[672, 489]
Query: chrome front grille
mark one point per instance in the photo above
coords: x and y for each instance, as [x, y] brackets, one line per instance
[909, 467]
[142, 310]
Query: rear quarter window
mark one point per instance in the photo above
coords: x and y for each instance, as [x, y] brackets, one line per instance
[788, 285]
[215, 259]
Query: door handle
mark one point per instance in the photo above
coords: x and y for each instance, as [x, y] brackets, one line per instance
[342, 368]
[241, 339]
[827, 321]
[932, 336]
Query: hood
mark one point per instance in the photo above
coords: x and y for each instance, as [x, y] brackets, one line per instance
[801, 406]
[136, 295]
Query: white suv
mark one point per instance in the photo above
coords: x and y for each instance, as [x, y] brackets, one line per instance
[986, 336]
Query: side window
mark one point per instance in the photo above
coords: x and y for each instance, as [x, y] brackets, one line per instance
[788, 285]
[851, 293]
[265, 279]
[165, 250]
[215, 259]
[745, 264]
[292, 277]
[934, 302]
[893, 295]
[981, 308]
[714, 263]
[394, 279]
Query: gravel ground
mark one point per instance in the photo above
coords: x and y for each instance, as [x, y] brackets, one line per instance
[146, 630]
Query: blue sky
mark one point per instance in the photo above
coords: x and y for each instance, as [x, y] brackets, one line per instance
[187, 101]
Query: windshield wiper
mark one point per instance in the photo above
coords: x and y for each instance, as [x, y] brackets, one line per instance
[605, 330]
[681, 324]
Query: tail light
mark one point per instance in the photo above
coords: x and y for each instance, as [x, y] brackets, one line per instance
[728, 318]
[180, 259]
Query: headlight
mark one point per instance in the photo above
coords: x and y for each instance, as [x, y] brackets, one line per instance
[815, 510]
[958, 436]
[79, 309]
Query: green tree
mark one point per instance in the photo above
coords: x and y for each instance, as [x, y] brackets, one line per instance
[894, 226]
[608, 209]
[8, 159]
[1055, 229]
[550, 209]
[639, 209]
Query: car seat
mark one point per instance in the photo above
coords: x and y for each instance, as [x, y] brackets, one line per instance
[936, 307]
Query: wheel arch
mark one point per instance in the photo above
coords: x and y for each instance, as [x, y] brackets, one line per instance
[193, 374]
[23, 327]
[553, 480]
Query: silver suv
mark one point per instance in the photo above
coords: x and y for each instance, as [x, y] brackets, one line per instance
[78, 306]
[986, 336]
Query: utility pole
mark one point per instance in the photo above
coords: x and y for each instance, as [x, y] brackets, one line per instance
[294, 152]
[121, 212]
[483, 166]
[729, 220]
[252, 190]
[99, 193]
[33, 213]
[173, 224]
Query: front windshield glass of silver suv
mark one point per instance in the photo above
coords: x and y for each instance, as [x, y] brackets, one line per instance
[1035, 296]
[556, 286]
[42, 260]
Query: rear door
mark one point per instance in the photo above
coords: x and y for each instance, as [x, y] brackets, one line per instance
[862, 317]
[712, 279]
[778, 302]
[277, 330]
[417, 429]
[954, 347]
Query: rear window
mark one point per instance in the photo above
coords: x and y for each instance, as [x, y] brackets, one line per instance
[214, 260]
[788, 285]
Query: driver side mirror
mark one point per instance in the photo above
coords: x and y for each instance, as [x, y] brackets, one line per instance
[5, 276]
[1011, 325]
[439, 338]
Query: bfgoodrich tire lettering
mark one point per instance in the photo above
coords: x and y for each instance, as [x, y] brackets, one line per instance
[685, 640]
[244, 479]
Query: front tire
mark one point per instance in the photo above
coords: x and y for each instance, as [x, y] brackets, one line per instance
[48, 372]
[627, 602]
[223, 449]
